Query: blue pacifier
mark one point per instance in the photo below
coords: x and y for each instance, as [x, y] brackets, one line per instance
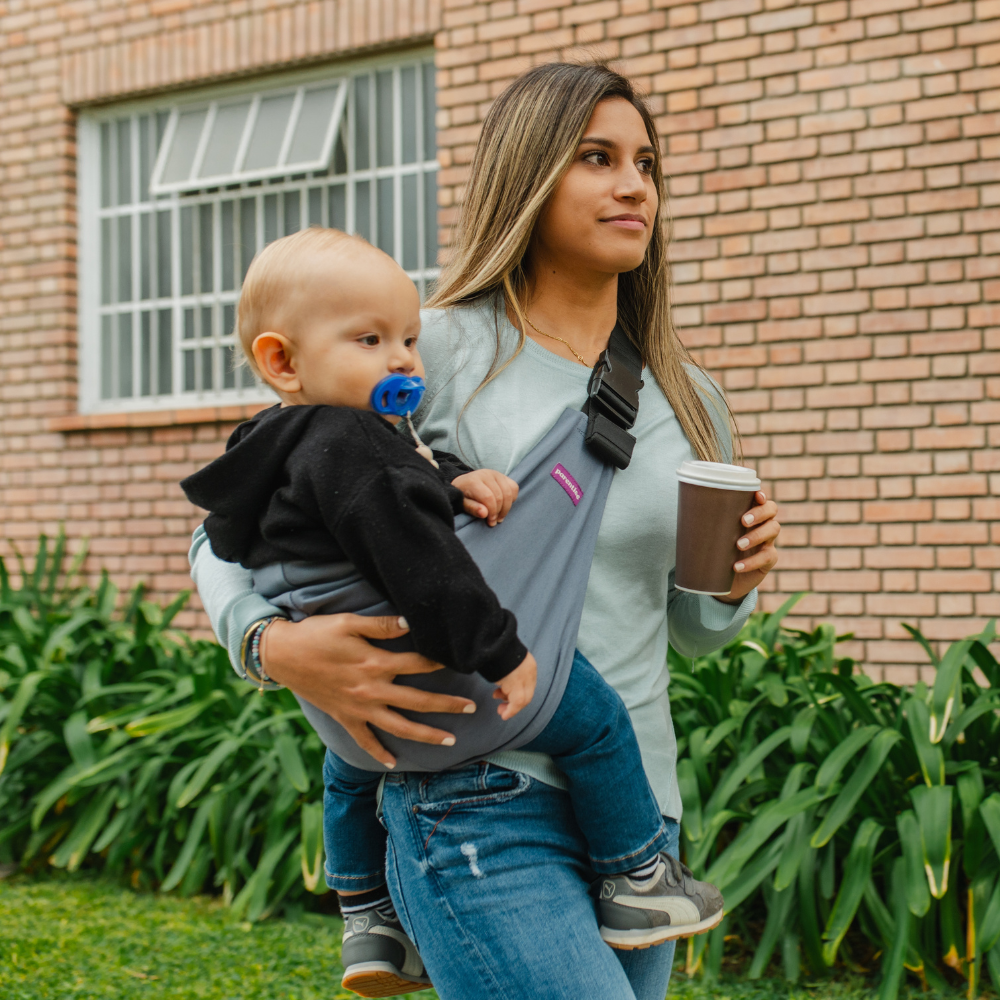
[398, 395]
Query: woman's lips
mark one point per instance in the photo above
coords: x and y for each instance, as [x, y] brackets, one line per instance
[631, 222]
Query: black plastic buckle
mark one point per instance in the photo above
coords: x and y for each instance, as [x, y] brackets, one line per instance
[608, 441]
[612, 408]
[615, 390]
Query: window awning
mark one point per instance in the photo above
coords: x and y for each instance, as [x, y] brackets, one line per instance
[254, 137]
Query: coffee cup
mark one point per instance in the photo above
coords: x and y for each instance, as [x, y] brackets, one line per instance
[712, 499]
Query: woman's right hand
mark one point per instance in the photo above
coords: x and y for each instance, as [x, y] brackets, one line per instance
[327, 660]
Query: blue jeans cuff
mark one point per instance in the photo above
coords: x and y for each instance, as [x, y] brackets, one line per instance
[646, 853]
[355, 883]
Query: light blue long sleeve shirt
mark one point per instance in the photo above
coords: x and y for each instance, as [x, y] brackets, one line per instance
[632, 609]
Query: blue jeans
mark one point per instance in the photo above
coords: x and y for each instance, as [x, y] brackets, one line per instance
[489, 872]
[591, 740]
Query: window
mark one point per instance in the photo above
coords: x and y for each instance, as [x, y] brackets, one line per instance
[177, 197]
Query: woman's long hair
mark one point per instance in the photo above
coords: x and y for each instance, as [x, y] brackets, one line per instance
[529, 139]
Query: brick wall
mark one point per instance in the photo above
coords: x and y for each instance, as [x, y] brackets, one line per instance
[835, 193]
[835, 190]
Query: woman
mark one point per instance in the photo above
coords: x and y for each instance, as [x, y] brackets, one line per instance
[560, 238]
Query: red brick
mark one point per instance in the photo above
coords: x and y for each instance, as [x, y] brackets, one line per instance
[953, 106]
[890, 92]
[952, 486]
[896, 604]
[859, 581]
[955, 581]
[840, 443]
[879, 511]
[955, 533]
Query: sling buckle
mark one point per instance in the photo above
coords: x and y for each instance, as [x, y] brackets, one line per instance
[613, 401]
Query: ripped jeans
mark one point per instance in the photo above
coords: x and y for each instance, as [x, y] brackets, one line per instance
[590, 738]
[490, 876]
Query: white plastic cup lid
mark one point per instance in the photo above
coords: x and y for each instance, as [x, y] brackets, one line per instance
[719, 476]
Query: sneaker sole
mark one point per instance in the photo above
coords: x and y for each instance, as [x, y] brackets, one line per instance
[637, 939]
[380, 979]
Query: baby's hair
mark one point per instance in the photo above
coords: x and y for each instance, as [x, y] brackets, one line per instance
[270, 275]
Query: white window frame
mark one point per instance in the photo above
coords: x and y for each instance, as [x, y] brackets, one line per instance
[94, 313]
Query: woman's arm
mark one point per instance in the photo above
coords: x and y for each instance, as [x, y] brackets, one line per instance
[226, 591]
[699, 624]
[325, 659]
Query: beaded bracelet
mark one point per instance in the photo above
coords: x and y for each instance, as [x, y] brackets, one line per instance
[250, 654]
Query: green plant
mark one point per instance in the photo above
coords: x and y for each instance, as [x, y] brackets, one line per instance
[825, 805]
[128, 746]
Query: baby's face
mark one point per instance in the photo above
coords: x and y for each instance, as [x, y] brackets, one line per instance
[355, 319]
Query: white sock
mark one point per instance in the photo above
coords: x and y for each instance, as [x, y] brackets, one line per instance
[383, 905]
[645, 875]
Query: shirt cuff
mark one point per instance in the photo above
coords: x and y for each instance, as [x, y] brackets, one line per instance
[717, 616]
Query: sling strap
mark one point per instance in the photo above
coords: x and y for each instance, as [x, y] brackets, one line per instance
[613, 400]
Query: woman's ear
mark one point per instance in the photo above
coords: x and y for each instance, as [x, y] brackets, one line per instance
[274, 355]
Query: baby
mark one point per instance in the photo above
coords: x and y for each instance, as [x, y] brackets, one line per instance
[322, 480]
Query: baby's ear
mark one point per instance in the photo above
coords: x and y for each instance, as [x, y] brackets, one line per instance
[275, 358]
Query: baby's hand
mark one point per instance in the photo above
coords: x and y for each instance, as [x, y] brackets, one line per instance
[517, 688]
[487, 494]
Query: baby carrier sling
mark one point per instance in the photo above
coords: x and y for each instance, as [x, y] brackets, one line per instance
[537, 562]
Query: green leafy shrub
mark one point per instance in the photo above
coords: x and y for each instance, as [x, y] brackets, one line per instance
[823, 803]
[128, 746]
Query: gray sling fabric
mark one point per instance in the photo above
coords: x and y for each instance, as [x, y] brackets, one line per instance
[537, 562]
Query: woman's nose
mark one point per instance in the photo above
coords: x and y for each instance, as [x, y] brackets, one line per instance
[632, 184]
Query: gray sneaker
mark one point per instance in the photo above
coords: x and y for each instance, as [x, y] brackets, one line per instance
[676, 905]
[379, 959]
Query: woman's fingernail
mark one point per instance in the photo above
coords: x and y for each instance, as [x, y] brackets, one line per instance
[743, 543]
[469, 709]
[448, 741]
[390, 764]
[748, 519]
[739, 567]
[402, 623]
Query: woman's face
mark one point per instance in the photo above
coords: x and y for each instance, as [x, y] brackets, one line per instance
[601, 215]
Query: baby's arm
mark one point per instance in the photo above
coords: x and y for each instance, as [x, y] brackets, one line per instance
[488, 494]
[517, 688]
[398, 530]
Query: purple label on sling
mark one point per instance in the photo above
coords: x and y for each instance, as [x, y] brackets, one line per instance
[568, 483]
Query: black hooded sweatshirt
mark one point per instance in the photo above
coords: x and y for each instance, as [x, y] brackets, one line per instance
[325, 484]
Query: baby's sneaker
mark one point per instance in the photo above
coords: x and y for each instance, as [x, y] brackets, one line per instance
[379, 959]
[672, 904]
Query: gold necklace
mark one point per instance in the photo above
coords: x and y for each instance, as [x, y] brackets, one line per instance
[561, 341]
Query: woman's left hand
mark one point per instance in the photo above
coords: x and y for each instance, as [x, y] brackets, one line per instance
[758, 545]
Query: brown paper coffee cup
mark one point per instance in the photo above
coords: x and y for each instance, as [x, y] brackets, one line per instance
[712, 499]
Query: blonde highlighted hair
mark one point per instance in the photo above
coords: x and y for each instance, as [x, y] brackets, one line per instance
[270, 275]
[529, 139]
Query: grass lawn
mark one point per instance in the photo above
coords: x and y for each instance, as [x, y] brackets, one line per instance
[76, 938]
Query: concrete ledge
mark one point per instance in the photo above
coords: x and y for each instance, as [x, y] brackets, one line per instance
[154, 418]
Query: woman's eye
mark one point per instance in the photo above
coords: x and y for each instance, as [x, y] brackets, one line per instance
[597, 157]
[646, 166]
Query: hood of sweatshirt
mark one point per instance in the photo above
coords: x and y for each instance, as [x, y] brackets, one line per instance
[238, 486]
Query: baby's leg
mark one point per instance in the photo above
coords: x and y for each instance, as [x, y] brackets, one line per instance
[590, 737]
[379, 959]
[353, 836]
[648, 897]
